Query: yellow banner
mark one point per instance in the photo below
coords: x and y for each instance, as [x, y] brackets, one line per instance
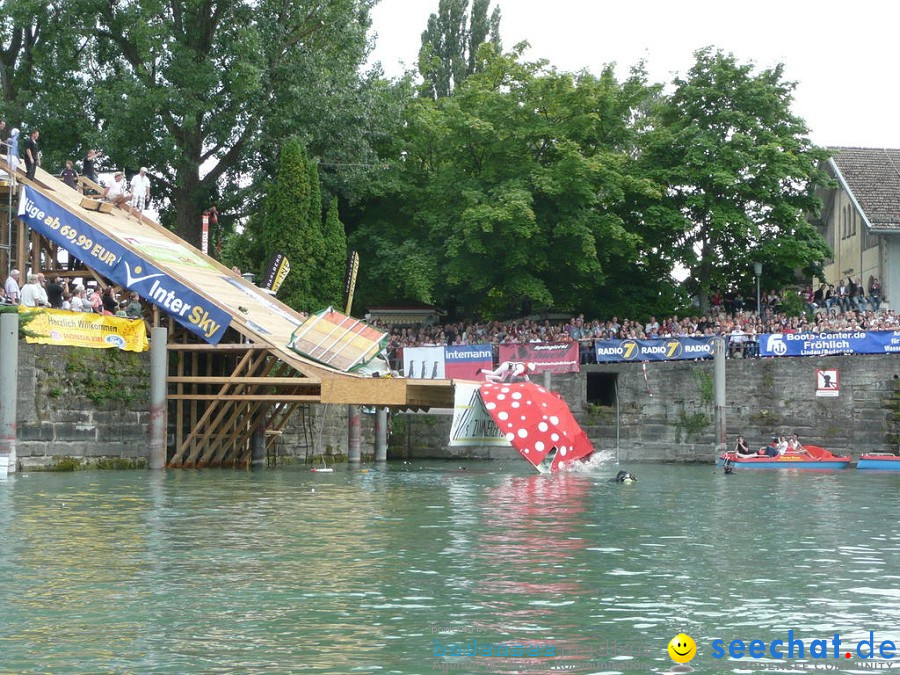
[86, 329]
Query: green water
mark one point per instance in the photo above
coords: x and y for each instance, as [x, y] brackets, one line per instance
[291, 571]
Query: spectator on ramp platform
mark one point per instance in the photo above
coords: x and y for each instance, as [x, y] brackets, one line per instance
[140, 189]
[31, 153]
[116, 193]
[68, 175]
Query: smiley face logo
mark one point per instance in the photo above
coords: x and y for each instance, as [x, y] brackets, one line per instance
[682, 648]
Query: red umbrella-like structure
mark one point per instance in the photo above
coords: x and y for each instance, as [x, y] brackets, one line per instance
[537, 423]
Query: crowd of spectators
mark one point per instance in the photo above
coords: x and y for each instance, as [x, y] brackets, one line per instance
[741, 327]
[56, 294]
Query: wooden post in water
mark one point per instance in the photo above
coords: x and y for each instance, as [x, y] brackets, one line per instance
[354, 433]
[158, 371]
[719, 384]
[9, 387]
[381, 434]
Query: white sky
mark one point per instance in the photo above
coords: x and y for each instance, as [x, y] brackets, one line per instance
[843, 56]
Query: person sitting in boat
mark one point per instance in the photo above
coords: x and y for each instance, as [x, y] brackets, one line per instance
[782, 445]
[508, 371]
[796, 447]
[771, 450]
[741, 449]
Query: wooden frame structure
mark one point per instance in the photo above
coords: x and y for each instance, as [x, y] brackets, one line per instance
[219, 396]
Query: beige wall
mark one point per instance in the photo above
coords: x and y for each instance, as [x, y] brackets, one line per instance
[847, 237]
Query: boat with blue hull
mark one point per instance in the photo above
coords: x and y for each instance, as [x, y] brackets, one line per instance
[876, 461]
[815, 458]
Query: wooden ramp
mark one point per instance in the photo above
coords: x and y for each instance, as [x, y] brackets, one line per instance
[233, 371]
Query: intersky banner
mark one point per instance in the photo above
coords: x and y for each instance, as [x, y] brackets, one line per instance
[822, 344]
[462, 362]
[123, 267]
[662, 349]
[547, 357]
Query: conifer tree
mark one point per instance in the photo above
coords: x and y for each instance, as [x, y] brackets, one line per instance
[288, 228]
[334, 263]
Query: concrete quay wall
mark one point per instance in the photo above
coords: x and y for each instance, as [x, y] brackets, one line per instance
[670, 415]
[94, 404]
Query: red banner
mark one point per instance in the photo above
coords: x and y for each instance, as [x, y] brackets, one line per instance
[463, 362]
[552, 357]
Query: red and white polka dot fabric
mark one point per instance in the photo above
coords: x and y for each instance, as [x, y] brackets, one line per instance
[534, 421]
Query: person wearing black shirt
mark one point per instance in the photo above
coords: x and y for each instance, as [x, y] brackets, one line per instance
[68, 175]
[31, 154]
[55, 290]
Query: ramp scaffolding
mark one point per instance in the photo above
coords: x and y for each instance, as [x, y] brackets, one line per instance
[231, 372]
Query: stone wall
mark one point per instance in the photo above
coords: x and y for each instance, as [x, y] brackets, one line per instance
[670, 415]
[87, 404]
[91, 404]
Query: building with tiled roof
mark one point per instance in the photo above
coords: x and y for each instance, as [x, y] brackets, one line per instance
[861, 217]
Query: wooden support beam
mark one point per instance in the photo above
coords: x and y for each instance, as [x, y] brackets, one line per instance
[275, 398]
[205, 418]
[249, 362]
[203, 347]
[215, 379]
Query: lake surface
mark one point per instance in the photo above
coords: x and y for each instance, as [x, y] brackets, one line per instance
[377, 569]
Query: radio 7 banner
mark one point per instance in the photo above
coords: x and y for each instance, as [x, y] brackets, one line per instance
[547, 357]
[663, 349]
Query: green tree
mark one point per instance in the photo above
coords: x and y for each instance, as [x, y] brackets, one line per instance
[335, 260]
[287, 228]
[515, 190]
[740, 169]
[450, 44]
[204, 91]
[41, 49]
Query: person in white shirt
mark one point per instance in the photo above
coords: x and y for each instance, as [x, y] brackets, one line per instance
[12, 287]
[782, 445]
[794, 445]
[508, 371]
[77, 302]
[42, 299]
[32, 293]
[116, 192]
[140, 189]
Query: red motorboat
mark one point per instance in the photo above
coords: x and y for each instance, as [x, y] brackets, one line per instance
[815, 457]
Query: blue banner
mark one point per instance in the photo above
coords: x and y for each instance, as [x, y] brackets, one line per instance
[823, 344]
[661, 349]
[120, 265]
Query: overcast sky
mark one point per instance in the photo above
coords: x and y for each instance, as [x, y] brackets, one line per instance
[843, 56]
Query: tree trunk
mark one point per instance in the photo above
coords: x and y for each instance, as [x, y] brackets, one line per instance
[189, 194]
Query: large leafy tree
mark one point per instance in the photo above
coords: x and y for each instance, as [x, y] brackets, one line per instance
[204, 91]
[42, 47]
[450, 44]
[515, 190]
[740, 169]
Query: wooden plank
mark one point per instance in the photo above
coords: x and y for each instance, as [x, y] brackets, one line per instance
[250, 365]
[276, 398]
[188, 441]
[96, 205]
[278, 381]
[203, 347]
